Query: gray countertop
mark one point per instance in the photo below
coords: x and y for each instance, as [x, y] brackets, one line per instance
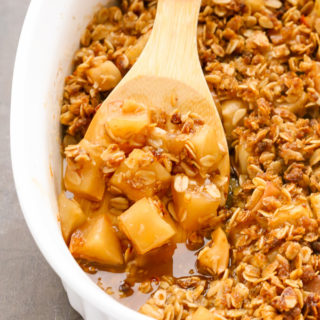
[29, 289]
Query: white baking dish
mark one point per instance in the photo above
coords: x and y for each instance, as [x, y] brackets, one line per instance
[49, 38]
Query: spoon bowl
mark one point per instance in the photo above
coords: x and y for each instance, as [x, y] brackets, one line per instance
[168, 75]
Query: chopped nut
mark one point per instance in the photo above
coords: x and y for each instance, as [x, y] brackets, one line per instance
[288, 300]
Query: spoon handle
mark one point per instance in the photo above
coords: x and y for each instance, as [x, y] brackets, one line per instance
[172, 48]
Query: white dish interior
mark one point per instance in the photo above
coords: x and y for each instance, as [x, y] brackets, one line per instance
[49, 38]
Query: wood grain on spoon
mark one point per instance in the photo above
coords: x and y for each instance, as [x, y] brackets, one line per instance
[168, 75]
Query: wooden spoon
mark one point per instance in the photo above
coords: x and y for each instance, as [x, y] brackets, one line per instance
[168, 75]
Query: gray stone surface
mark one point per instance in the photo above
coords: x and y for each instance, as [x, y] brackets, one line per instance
[29, 289]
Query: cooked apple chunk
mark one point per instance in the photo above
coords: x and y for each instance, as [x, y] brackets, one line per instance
[181, 234]
[144, 225]
[214, 257]
[206, 147]
[140, 175]
[233, 111]
[94, 208]
[85, 180]
[106, 75]
[241, 157]
[126, 119]
[83, 175]
[71, 216]
[194, 204]
[96, 241]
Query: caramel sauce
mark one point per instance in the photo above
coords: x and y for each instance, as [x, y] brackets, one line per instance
[181, 264]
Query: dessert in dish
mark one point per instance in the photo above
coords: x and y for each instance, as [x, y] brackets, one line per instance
[146, 215]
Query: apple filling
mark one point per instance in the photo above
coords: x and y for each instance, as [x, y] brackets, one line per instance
[152, 186]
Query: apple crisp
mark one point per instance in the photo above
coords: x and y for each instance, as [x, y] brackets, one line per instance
[154, 185]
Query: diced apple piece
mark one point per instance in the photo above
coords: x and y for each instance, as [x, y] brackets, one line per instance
[94, 208]
[133, 52]
[86, 182]
[233, 111]
[180, 233]
[144, 225]
[194, 204]
[84, 177]
[315, 204]
[242, 156]
[71, 216]
[140, 175]
[106, 75]
[96, 241]
[203, 313]
[174, 143]
[206, 147]
[290, 214]
[126, 119]
[214, 257]
[161, 173]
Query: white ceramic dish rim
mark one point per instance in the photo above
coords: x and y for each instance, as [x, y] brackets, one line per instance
[34, 132]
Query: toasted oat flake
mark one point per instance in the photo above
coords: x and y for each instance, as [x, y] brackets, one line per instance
[265, 22]
[181, 183]
[274, 4]
[190, 148]
[208, 161]
[146, 177]
[213, 191]
[119, 203]
[259, 182]
[189, 171]
[172, 211]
